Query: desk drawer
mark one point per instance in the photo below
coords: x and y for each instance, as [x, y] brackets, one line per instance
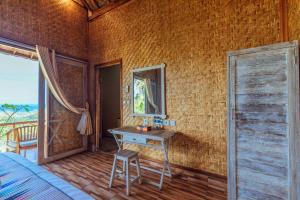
[134, 139]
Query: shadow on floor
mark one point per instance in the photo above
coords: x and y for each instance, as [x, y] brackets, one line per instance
[108, 144]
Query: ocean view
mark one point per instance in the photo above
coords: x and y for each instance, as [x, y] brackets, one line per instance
[31, 107]
[19, 94]
[25, 112]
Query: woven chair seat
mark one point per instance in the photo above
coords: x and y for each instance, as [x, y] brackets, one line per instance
[13, 144]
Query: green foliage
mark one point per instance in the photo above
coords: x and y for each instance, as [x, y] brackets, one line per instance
[6, 108]
[139, 104]
[139, 96]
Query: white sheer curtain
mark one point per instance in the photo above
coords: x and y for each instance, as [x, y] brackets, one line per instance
[149, 93]
[49, 69]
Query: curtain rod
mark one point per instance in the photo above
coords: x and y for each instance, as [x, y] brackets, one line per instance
[27, 47]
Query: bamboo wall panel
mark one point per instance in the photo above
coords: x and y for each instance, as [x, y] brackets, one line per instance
[59, 25]
[293, 19]
[63, 123]
[192, 38]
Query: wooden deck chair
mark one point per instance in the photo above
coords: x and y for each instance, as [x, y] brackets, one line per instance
[22, 138]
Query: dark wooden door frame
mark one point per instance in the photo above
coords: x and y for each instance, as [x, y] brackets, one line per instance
[98, 114]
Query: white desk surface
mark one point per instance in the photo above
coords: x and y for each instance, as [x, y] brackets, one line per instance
[153, 134]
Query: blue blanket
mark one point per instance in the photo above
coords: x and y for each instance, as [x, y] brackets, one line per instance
[22, 179]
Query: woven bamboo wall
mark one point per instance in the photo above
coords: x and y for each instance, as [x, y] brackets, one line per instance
[57, 24]
[192, 38]
[293, 19]
[63, 123]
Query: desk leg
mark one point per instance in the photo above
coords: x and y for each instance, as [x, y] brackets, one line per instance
[120, 147]
[120, 144]
[162, 177]
[166, 157]
[166, 164]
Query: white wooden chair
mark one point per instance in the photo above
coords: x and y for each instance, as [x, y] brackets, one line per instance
[127, 156]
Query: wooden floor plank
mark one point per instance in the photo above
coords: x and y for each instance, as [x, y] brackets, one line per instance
[90, 172]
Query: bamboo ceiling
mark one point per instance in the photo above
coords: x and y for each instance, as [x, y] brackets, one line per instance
[99, 7]
[93, 5]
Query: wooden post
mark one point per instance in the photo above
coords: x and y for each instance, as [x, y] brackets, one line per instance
[283, 13]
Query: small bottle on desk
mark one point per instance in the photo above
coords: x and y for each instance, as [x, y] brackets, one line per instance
[158, 122]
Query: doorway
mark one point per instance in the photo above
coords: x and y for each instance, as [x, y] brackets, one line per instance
[19, 105]
[109, 103]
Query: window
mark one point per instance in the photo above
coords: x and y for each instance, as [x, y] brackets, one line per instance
[139, 96]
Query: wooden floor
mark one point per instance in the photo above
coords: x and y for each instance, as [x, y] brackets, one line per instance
[91, 171]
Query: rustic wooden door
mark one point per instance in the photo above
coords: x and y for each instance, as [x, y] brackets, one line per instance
[61, 137]
[263, 123]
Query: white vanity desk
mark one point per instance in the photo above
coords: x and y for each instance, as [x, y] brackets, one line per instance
[130, 135]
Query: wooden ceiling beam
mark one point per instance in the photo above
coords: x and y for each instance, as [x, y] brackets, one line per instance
[104, 2]
[79, 3]
[92, 4]
[86, 5]
[107, 8]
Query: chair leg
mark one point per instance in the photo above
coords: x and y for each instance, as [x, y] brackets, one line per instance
[25, 153]
[128, 182]
[113, 171]
[138, 170]
[18, 150]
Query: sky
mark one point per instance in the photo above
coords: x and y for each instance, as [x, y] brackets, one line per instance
[18, 80]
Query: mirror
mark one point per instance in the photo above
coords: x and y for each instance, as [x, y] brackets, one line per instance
[148, 91]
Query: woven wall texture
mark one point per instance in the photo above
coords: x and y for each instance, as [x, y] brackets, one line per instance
[57, 24]
[293, 19]
[192, 38]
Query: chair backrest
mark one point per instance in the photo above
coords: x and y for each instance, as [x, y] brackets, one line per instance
[27, 133]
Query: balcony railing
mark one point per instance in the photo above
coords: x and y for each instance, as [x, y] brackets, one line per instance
[17, 124]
